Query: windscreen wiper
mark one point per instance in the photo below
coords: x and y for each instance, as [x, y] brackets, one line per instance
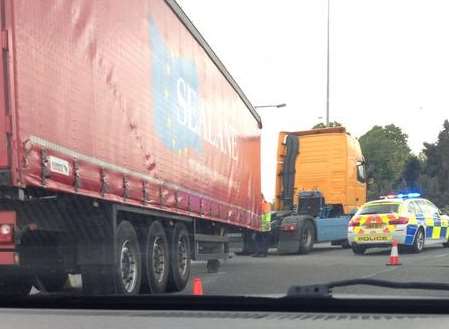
[325, 290]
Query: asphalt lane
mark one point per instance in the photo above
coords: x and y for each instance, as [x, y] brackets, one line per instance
[245, 275]
[273, 275]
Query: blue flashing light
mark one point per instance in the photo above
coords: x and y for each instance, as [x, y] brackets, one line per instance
[401, 196]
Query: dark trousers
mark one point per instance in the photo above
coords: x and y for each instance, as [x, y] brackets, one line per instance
[262, 242]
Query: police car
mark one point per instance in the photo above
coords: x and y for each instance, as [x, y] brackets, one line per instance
[410, 220]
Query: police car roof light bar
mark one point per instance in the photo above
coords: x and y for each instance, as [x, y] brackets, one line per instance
[401, 196]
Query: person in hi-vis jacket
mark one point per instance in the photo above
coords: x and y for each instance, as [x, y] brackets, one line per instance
[263, 236]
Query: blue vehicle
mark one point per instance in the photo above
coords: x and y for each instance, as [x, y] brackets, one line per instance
[313, 221]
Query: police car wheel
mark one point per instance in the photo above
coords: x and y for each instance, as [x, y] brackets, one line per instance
[446, 244]
[358, 249]
[418, 243]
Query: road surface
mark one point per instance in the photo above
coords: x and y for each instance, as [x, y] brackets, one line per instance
[245, 275]
[273, 275]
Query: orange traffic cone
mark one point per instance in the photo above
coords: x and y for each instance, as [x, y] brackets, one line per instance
[394, 256]
[197, 288]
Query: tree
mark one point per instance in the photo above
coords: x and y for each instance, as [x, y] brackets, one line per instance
[332, 124]
[386, 152]
[411, 173]
[435, 176]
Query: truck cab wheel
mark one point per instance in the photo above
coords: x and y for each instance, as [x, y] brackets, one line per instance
[157, 258]
[306, 237]
[180, 258]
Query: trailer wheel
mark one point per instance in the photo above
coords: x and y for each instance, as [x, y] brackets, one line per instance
[128, 271]
[157, 258]
[125, 276]
[306, 237]
[17, 286]
[180, 258]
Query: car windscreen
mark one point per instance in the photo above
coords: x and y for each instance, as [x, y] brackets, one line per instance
[380, 208]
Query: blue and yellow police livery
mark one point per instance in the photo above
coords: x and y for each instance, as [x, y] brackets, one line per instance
[411, 221]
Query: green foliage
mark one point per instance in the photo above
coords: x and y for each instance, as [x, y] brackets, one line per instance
[332, 124]
[394, 169]
[386, 153]
[412, 172]
[434, 178]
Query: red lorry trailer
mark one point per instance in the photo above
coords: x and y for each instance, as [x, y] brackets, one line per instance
[126, 149]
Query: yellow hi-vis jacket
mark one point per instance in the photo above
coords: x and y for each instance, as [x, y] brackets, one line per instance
[266, 217]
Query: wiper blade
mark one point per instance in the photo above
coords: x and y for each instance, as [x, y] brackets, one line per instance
[325, 290]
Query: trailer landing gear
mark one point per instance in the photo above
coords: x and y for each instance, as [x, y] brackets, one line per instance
[213, 265]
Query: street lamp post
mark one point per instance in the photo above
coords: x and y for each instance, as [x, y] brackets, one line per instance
[327, 81]
[275, 106]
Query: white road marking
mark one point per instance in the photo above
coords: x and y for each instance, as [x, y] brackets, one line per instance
[438, 256]
[380, 272]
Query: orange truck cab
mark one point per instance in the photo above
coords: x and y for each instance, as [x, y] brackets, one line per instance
[320, 182]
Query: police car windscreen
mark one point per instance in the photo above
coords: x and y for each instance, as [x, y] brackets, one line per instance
[383, 208]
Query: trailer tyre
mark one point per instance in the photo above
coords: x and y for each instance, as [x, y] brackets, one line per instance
[125, 276]
[180, 258]
[306, 237]
[157, 258]
[128, 268]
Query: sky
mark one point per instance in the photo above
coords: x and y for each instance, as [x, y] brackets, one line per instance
[389, 63]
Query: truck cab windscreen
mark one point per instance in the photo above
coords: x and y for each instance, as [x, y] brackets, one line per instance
[310, 206]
